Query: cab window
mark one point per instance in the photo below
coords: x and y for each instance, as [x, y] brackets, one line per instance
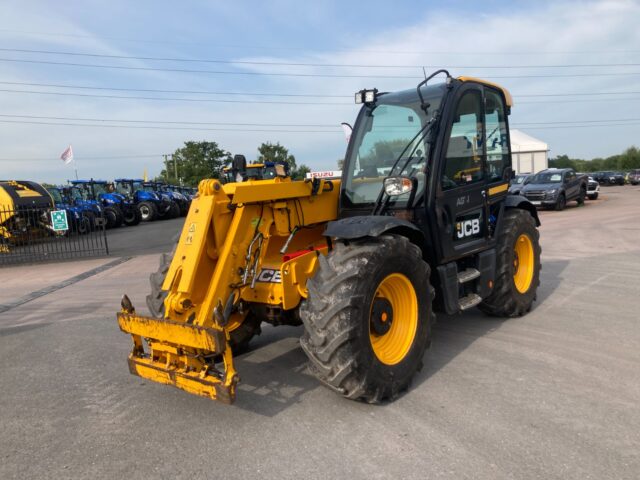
[497, 139]
[463, 162]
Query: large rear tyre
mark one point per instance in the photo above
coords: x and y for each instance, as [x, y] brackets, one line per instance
[83, 225]
[148, 211]
[517, 267]
[240, 333]
[368, 317]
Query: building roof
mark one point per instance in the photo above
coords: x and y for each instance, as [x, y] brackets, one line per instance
[521, 142]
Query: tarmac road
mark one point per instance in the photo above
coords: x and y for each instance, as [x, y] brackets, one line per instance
[552, 395]
[145, 238]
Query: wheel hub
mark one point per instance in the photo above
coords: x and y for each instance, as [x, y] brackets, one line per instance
[381, 316]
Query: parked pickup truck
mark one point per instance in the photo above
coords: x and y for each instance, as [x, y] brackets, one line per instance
[554, 187]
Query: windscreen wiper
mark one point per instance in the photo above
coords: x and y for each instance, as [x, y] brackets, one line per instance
[421, 134]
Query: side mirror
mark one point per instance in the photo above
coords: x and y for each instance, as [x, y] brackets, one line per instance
[347, 129]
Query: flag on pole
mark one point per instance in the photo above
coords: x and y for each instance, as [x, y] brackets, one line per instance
[67, 155]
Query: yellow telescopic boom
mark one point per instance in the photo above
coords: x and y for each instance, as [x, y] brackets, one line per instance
[247, 243]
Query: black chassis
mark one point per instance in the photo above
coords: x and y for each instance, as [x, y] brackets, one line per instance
[432, 222]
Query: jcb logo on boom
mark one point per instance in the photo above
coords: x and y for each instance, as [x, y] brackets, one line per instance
[269, 275]
[467, 228]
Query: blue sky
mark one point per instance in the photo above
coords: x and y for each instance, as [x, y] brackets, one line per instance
[472, 38]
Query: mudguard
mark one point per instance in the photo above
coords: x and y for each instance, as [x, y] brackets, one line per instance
[518, 201]
[373, 226]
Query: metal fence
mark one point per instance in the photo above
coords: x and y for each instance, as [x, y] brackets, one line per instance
[32, 234]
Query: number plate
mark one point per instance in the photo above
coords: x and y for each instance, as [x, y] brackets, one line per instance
[536, 202]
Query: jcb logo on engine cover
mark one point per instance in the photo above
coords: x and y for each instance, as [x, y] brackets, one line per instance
[467, 228]
[270, 275]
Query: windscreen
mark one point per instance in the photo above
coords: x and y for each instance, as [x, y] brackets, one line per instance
[99, 188]
[55, 194]
[124, 188]
[77, 194]
[547, 177]
[388, 133]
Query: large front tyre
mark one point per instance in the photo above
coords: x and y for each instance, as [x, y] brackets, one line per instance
[174, 210]
[368, 317]
[132, 216]
[113, 217]
[517, 267]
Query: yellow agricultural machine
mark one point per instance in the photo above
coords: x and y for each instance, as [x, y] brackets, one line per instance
[251, 171]
[24, 211]
[362, 262]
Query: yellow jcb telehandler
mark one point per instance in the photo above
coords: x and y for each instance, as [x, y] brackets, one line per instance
[362, 262]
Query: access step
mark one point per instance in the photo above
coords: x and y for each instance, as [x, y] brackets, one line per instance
[469, 301]
[468, 275]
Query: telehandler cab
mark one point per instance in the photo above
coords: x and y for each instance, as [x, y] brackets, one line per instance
[421, 219]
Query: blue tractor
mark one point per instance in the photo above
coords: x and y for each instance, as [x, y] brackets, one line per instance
[74, 196]
[167, 198]
[117, 210]
[150, 204]
[177, 196]
[81, 218]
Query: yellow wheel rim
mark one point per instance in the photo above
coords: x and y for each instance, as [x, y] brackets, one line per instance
[393, 319]
[523, 263]
[235, 321]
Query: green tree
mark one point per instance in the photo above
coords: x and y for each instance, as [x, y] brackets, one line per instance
[194, 162]
[270, 152]
[627, 160]
[561, 161]
[301, 172]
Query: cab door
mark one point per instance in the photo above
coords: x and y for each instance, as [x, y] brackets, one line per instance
[461, 198]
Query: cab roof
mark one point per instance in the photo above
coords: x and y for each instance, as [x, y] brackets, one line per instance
[84, 182]
[506, 93]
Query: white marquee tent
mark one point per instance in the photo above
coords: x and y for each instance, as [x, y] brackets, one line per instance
[528, 154]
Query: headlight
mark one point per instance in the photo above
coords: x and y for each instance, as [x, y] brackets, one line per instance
[394, 186]
[551, 192]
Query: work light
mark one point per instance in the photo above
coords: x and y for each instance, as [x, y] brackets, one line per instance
[366, 96]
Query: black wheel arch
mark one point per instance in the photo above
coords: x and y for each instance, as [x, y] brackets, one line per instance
[361, 226]
[518, 201]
